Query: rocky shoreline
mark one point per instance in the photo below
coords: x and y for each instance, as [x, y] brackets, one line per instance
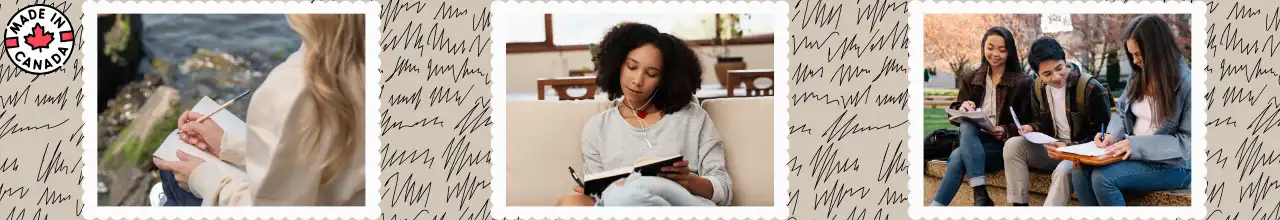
[139, 105]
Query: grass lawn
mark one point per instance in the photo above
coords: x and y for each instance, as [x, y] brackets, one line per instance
[941, 92]
[936, 118]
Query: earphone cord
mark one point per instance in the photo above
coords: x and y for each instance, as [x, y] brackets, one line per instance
[636, 112]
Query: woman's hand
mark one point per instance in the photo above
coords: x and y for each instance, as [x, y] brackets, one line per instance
[205, 135]
[968, 106]
[1104, 140]
[679, 172]
[181, 169]
[1052, 148]
[576, 198]
[1119, 149]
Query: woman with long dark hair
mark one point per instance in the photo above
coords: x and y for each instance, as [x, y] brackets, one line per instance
[997, 86]
[1151, 128]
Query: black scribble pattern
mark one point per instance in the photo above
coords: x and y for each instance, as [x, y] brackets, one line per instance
[847, 103]
[1242, 110]
[435, 117]
[41, 166]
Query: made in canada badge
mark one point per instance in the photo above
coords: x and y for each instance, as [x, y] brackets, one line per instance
[39, 39]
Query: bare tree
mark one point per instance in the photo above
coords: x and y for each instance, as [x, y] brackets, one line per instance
[1098, 34]
[955, 40]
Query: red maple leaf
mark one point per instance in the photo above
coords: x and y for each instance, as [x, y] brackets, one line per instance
[39, 38]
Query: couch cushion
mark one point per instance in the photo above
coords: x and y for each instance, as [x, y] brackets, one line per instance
[746, 126]
[543, 139]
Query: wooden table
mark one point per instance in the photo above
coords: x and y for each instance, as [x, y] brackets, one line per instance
[561, 84]
[749, 76]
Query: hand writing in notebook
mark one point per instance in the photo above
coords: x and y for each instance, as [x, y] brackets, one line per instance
[1119, 149]
[1104, 140]
[181, 168]
[204, 134]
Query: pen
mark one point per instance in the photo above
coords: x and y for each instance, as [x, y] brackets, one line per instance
[576, 179]
[1102, 129]
[1015, 120]
[224, 106]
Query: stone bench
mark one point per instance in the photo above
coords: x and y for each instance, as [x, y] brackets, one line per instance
[1039, 187]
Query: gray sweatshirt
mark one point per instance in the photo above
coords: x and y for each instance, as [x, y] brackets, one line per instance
[609, 142]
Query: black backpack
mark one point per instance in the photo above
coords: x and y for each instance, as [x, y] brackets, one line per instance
[938, 145]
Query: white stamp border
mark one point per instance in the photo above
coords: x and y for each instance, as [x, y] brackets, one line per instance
[779, 209]
[371, 209]
[1197, 10]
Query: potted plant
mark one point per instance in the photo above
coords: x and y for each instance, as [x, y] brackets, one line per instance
[730, 29]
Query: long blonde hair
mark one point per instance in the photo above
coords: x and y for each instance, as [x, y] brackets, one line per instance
[333, 62]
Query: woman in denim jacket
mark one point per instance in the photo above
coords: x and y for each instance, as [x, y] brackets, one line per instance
[1151, 128]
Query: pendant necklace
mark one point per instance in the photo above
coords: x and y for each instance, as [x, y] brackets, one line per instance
[642, 114]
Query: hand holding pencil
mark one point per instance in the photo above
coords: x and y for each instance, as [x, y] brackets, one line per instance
[197, 129]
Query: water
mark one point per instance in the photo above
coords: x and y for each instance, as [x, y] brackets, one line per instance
[217, 55]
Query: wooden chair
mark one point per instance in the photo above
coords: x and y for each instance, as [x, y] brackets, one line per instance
[562, 84]
[749, 76]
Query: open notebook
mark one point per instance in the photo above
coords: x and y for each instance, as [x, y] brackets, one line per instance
[595, 183]
[1086, 149]
[978, 117]
[231, 125]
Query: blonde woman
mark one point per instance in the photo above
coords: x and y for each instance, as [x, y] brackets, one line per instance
[305, 128]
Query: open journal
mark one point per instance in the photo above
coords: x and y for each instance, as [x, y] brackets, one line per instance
[1086, 153]
[1085, 149]
[595, 183]
[978, 117]
[230, 124]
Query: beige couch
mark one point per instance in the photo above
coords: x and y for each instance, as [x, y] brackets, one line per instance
[543, 141]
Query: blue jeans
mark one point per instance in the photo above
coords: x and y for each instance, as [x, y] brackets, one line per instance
[174, 194]
[1102, 185]
[978, 153]
[650, 191]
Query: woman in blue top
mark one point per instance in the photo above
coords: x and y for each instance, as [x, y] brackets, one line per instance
[1151, 129]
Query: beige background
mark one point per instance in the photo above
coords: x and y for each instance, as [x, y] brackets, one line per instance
[855, 191]
[848, 162]
[40, 169]
[1235, 190]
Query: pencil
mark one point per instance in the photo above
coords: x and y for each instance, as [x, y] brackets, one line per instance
[224, 106]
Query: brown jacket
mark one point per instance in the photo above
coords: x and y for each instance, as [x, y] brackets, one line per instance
[1013, 90]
